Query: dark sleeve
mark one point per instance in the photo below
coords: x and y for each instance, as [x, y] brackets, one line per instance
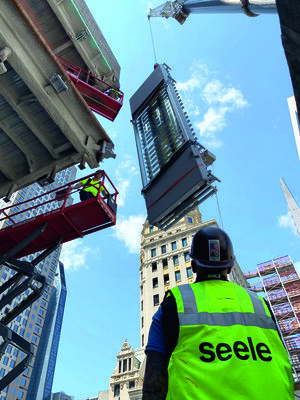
[170, 323]
[155, 385]
[156, 340]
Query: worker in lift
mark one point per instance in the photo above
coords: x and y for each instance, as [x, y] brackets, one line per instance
[214, 339]
[90, 186]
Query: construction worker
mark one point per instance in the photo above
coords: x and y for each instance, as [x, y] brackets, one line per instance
[214, 339]
[90, 186]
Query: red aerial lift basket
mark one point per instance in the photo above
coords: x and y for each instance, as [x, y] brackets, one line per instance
[64, 221]
[101, 97]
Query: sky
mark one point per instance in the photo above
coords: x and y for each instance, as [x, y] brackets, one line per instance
[233, 78]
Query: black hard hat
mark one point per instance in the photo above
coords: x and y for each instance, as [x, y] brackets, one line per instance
[212, 248]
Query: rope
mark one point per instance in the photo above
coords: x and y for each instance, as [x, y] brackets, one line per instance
[220, 215]
[152, 40]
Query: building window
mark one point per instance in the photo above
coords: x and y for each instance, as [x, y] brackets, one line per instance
[153, 252]
[155, 283]
[151, 229]
[156, 300]
[173, 245]
[142, 322]
[184, 242]
[163, 249]
[154, 266]
[117, 390]
[120, 367]
[189, 272]
[5, 362]
[175, 260]
[142, 305]
[124, 365]
[143, 340]
[142, 290]
[131, 384]
[166, 279]
[165, 263]
[187, 256]
[20, 394]
[189, 220]
[177, 276]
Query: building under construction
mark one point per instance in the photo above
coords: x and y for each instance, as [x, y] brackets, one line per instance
[279, 282]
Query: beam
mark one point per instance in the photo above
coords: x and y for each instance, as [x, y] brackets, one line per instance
[21, 144]
[9, 93]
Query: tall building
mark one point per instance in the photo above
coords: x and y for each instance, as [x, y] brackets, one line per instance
[30, 323]
[61, 396]
[165, 263]
[293, 206]
[295, 121]
[43, 370]
[279, 282]
[126, 380]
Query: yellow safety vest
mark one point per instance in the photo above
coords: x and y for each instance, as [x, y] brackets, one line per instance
[228, 346]
[94, 188]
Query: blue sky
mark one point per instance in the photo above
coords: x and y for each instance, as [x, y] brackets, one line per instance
[234, 81]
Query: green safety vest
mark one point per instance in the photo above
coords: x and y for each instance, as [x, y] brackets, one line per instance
[94, 188]
[228, 346]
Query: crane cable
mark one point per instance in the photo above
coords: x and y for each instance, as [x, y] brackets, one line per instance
[152, 40]
[219, 210]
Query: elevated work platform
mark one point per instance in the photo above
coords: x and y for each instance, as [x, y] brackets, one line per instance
[102, 98]
[32, 228]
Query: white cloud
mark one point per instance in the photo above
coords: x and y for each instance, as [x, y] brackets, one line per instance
[212, 122]
[199, 75]
[286, 221]
[216, 99]
[216, 92]
[73, 255]
[129, 230]
[124, 173]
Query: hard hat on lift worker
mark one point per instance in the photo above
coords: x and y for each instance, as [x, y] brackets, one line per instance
[212, 248]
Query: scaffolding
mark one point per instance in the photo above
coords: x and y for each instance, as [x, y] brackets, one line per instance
[279, 283]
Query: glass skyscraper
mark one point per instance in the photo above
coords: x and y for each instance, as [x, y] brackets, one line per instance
[40, 323]
[43, 371]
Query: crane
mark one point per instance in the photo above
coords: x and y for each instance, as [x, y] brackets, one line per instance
[181, 9]
[288, 12]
